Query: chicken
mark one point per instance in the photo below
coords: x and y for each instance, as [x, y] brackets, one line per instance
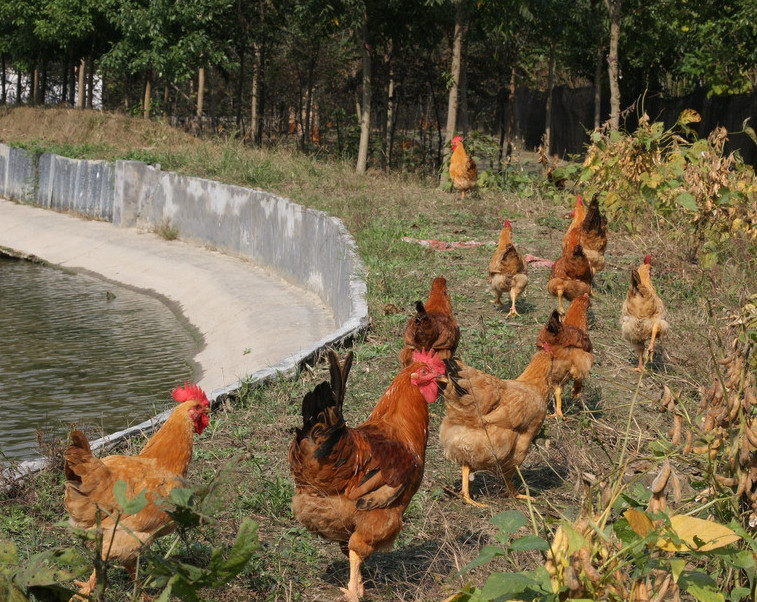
[462, 168]
[571, 274]
[160, 467]
[433, 326]
[489, 422]
[571, 347]
[507, 269]
[352, 485]
[643, 316]
[594, 235]
[577, 218]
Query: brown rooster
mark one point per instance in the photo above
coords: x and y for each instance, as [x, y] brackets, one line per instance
[507, 269]
[352, 485]
[433, 326]
[643, 316]
[462, 168]
[157, 469]
[571, 346]
[594, 235]
[571, 274]
[489, 422]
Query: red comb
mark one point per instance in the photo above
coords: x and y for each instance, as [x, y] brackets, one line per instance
[579, 200]
[648, 259]
[430, 359]
[508, 224]
[190, 391]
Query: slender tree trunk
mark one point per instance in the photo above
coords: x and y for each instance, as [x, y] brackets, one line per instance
[238, 99]
[365, 109]
[391, 103]
[82, 79]
[148, 95]
[166, 101]
[3, 81]
[598, 70]
[464, 125]
[90, 81]
[511, 122]
[35, 86]
[614, 8]
[255, 96]
[200, 92]
[547, 140]
[43, 83]
[18, 86]
[457, 61]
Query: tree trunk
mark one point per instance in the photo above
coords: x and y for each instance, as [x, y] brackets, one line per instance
[365, 109]
[255, 96]
[238, 99]
[18, 86]
[166, 101]
[547, 140]
[598, 87]
[200, 92]
[148, 95]
[391, 103]
[613, 68]
[80, 92]
[90, 81]
[511, 123]
[457, 61]
[3, 81]
[35, 86]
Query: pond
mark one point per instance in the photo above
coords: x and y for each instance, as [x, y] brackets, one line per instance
[77, 350]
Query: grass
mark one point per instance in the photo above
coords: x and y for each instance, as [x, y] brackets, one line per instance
[249, 435]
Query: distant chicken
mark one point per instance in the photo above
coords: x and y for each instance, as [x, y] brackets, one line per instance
[643, 316]
[433, 326]
[160, 467]
[352, 485]
[489, 422]
[594, 235]
[462, 168]
[570, 343]
[507, 269]
[577, 218]
[571, 274]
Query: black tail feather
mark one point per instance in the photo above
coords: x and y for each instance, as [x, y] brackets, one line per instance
[453, 375]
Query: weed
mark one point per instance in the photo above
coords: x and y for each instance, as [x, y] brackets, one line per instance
[166, 230]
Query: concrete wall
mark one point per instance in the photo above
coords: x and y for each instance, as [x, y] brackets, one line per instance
[306, 247]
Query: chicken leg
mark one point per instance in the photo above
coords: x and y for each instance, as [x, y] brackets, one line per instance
[558, 403]
[650, 350]
[355, 589]
[465, 489]
[513, 311]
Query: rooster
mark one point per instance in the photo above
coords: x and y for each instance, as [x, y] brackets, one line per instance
[571, 274]
[352, 485]
[160, 467]
[433, 326]
[507, 269]
[594, 235]
[462, 168]
[489, 422]
[643, 316]
[571, 346]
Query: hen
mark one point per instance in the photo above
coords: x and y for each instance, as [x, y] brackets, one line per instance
[352, 485]
[433, 326]
[507, 269]
[570, 343]
[462, 168]
[571, 274]
[157, 469]
[643, 317]
[489, 422]
[594, 235]
[577, 218]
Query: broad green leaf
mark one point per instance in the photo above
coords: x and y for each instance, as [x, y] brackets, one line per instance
[129, 506]
[224, 570]
[9, 592]
[701, 586]
[676, 567]
[51, 567]
[509, 521]
[530, 542]
[8, 553]
[484, 556]
[503, 586]
[687, 201]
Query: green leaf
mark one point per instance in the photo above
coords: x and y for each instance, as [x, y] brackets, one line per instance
[8, 554]
[676, 567]
[687, 201]
[51, 567]
[509, 521]
[129, 506]
[224, 570]
[530, 542]
[486, 554]
[701, 586]
[10, 592]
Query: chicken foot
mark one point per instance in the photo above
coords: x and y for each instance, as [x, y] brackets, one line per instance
[650, 349]
[513, 311]
[558, 404]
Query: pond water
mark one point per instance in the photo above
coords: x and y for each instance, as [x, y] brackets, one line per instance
[75, 349]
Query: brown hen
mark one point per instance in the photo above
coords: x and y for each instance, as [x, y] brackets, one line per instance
[571, 274]
[507, 269]
[462, 168]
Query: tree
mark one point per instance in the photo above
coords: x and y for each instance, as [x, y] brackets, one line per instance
[613, 68]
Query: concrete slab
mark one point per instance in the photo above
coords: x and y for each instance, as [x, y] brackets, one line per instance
[250, 320]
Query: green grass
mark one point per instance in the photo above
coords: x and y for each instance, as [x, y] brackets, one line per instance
[250, 435]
